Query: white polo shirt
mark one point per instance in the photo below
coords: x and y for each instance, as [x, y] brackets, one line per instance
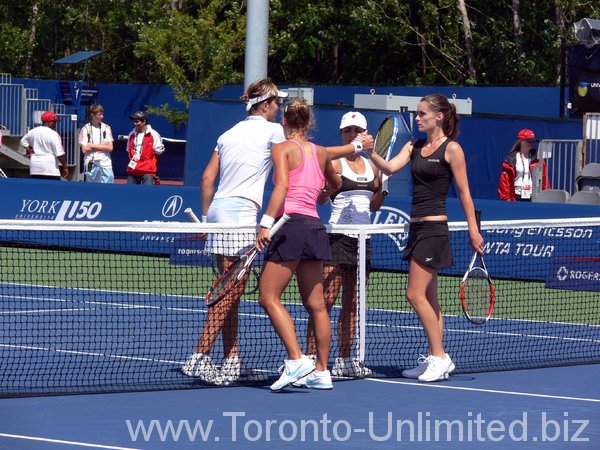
[47, 146]
[245, 158]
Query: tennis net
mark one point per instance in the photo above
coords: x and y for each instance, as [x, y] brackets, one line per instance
[118, 306]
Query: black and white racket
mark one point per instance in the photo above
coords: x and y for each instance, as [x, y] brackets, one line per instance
[477, 289]
[235, 273]
[384, 143]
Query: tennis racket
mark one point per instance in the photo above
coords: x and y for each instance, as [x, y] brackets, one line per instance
[384, 142]
[230, 278]
[477, 289]
[251, 284]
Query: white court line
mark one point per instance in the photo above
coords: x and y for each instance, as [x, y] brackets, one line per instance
[58, 441]
[79, 352]
[491, 391]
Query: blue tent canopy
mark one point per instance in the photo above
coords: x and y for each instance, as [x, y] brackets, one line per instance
[78, 57]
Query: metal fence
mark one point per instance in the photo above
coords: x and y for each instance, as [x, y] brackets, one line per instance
[21, 110]
[69, 133]
[591, 136]
[563, 161]
[12, 110]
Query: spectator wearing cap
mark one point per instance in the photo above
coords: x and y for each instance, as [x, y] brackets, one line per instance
[144, 146]
[516, 178]
[96, 142]
[43, 146]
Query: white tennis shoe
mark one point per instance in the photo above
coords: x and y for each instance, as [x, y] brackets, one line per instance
[233, 368]
[421, 367]
[202, 366]
[437, 369]
[316, 380]
[293, 370]
[350, 367]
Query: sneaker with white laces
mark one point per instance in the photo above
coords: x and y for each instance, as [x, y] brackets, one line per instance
[202, 366]
[293, 370]
[233, 368]
[417, 371]
[301, 383]
[421, 367]
[437, 368]
[350, 367]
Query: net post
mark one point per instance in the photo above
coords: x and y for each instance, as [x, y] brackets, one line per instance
[362, 294]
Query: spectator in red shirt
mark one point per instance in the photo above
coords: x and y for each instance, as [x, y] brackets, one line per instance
[144, 147]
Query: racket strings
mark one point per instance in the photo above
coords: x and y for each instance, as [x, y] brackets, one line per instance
[384, 137]
[228, 280]
[477, 294]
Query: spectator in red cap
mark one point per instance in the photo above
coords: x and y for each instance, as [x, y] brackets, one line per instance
[144, 147]
[44, 148]
[516, 178]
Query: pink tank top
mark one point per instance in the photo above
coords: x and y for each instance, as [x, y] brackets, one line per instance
[304, 185]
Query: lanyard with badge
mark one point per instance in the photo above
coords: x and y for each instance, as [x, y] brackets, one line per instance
[95, 155]
[137, 148]
[526, 179]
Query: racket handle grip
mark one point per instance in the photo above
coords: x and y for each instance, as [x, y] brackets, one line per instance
[384, 184]
[193, 217]
[275, 228]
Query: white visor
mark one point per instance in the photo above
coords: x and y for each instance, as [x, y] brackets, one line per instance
[262, 98]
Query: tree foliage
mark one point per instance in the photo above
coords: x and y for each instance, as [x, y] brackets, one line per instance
[198, 45]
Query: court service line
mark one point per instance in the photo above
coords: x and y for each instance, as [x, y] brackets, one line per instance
[491, 391]
[58, 441]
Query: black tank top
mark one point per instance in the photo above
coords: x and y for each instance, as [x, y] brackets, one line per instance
[431, 180]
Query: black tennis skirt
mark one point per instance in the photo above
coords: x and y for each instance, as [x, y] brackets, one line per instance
[344, 251]
[301, 238]
[429, 244]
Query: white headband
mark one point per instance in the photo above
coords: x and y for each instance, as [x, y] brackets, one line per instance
[262, 98]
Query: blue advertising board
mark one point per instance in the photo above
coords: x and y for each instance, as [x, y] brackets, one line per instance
[506, 250]
[577, 274]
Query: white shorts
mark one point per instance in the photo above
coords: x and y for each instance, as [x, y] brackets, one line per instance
[232, 210]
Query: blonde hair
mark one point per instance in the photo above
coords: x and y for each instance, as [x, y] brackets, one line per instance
[260, 88]
[298, 116]
[96, 108]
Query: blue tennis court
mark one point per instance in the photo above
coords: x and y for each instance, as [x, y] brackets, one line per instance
[114, 341]
[552, 408]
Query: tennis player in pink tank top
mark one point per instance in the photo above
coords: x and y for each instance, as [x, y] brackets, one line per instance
[300, 247]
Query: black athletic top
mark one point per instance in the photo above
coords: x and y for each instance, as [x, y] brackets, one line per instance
[431, 180]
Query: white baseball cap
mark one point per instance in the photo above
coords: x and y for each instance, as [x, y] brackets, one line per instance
[353, 118]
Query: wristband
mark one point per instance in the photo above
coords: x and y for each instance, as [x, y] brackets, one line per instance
[357, 146]
[267, 221]
[204, 218]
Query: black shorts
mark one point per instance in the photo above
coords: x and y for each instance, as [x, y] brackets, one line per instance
[301, 237]
[429, 244]
[344, 251]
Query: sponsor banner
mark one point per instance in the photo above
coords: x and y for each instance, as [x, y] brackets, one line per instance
[510, 253]
[529, 253]
[27, 199]
[65, 201]
[575, 274]
[190, 251]
[584, 76]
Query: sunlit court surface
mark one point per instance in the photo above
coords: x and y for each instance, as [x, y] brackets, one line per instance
[93, 357]
[552, 408]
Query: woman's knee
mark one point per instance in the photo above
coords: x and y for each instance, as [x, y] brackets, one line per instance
[268, 300]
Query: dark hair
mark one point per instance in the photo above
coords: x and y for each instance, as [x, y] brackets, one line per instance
[517, 147]
[440, 103]
[298, 116]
